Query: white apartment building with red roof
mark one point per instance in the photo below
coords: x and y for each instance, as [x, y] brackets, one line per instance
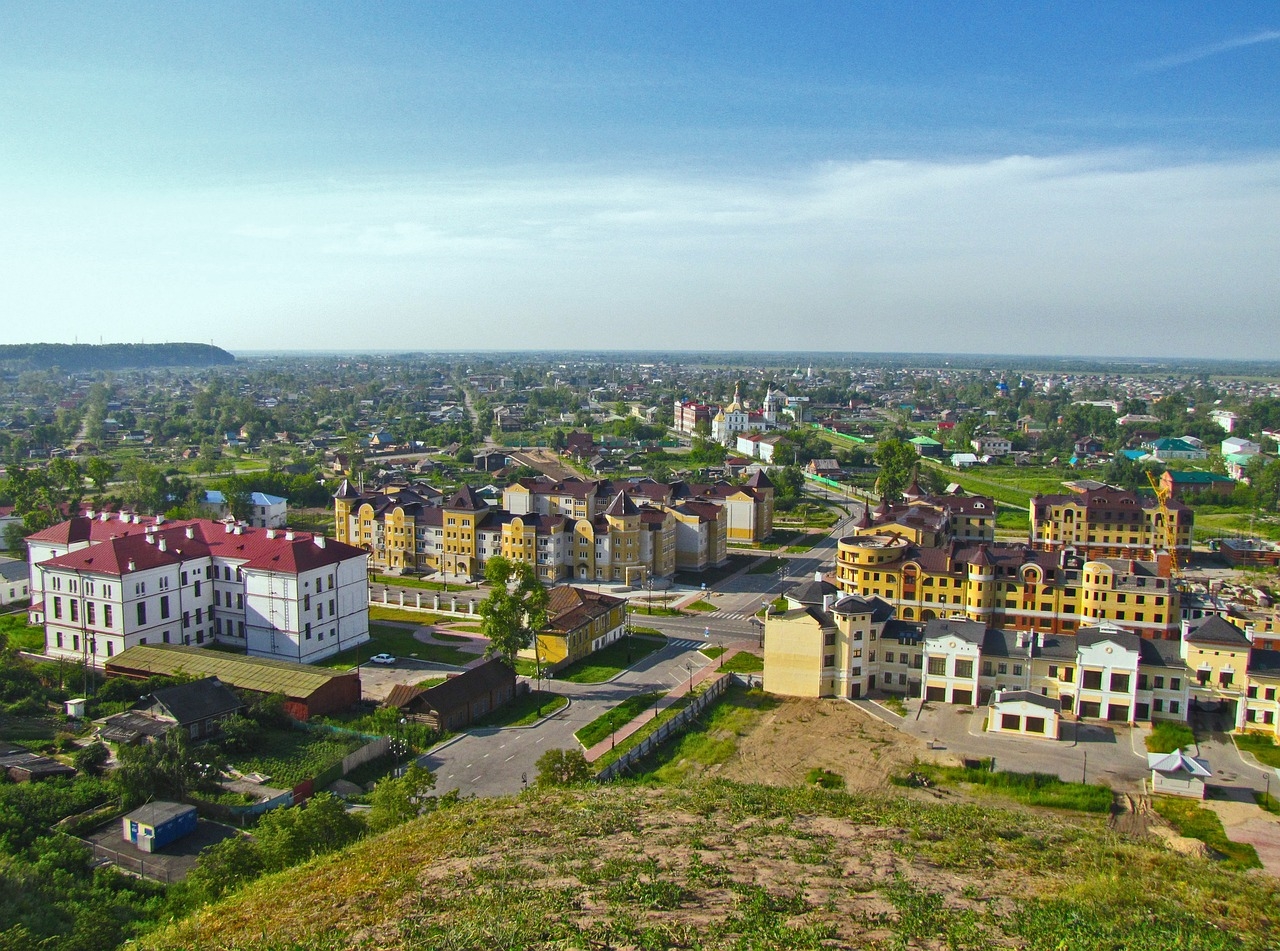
[103, 583]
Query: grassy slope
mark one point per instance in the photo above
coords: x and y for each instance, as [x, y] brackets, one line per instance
[722, 865]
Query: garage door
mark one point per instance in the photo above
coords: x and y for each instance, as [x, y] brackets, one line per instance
[936, 694]
[962, 697]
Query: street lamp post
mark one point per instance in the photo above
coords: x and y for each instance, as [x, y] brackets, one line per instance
[689, 667]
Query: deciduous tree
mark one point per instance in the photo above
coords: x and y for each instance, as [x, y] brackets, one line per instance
[515, 609]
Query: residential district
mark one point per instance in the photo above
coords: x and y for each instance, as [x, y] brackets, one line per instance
[294, 577]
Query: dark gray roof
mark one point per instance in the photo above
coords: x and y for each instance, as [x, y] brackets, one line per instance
[997, 643]
[974, 632]
[158, 813]
[1162, 653]
[471, 683]
[811, 592]
[14, 570]
[1028, 696]
[879, 609]
[1216, 630]
[195, 701]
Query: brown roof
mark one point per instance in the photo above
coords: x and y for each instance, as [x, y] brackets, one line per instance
[568, 608]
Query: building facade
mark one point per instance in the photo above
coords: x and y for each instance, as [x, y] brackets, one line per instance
[101, 585]
[1106, 522]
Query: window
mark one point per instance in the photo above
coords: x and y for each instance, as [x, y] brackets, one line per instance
[1092, 680]
[964, 668]
[1158, 705]
[107, 619]
[986, 668]
[1120, 683]
[90, 613]
[75, 609]
[1010, 721]
[142, 612]
[1053, 671]
[1017, 670]
[938, 665]
[829, 639]
[1159, 682]
[1175, 683]
[1035, 724]
[1002, 668]
[828, 660]
[197, 589]
[164, 607]
[1224, 678]
[57, 607]
[1173, 706]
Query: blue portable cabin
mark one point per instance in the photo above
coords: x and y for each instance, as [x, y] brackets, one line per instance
[155, 825]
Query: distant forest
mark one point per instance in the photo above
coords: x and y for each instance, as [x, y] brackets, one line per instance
[110, 356]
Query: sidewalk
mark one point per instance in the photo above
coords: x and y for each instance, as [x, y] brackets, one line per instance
[709, 672]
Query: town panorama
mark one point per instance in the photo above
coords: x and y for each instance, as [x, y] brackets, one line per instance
[259, 607]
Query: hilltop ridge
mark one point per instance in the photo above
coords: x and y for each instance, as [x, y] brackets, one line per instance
[111, 356]
[729, 865]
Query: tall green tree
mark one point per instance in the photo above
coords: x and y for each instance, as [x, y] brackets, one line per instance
[896, 460]
[398, 799]
[515, 610]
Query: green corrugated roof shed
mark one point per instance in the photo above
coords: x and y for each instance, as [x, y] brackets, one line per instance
[1196, 477]
[924, 441]
[259, 674]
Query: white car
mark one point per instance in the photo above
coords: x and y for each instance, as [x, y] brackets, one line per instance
[383, 659]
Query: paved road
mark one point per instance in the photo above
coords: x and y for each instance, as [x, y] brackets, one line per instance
[497, 762]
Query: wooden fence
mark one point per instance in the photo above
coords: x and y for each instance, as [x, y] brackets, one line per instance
[668, 729]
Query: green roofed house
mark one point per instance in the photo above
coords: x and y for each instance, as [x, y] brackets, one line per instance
[926, 446]
[308, 691]
[1178, 484]
[1169, 449]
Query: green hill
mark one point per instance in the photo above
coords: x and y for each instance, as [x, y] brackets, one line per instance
[111, 356]
[723, 865]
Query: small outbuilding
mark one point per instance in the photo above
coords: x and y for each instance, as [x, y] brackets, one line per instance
[1178, 774]
[23, 766]
[460, 700]
[1024, 713]
[157, 824]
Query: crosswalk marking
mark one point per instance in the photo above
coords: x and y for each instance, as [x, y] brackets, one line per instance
[685, 643]
[731, 617]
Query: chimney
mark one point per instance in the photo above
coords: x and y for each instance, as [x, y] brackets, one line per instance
[271, 533]
[288, 535]
[1040, 639]
[90, 514]
[238, 530]
[124, 516]
[105, 516]
[131, 566]
[162, 544]
[151, 539]
[159, 519]
[319, 540]
[827, 601]
[1022, 639]
[136, 518]
[817, 575]
[191, 531]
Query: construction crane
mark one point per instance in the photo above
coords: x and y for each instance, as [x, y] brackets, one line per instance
[1170, 530]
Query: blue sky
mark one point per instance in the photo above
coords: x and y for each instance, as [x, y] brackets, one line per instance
[972, 177]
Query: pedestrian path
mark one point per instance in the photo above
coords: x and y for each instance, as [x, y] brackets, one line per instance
[709, 672]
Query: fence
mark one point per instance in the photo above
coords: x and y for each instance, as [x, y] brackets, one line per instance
[157, 870]
[667, 730]
[449, 604]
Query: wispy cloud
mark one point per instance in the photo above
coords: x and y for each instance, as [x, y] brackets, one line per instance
[1204, 52]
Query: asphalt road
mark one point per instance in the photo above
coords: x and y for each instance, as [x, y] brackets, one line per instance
[499, 762]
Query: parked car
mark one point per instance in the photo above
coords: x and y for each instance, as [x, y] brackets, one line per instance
[383, 659]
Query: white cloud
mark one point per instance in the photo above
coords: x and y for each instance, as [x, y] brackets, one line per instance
[1091, 253]
[1204, 52]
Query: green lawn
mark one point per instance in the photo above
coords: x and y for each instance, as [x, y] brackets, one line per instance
[525, 709]
[610, 661]
[410, 582]
[711, 653]
[19, 634]
[290, 756]
[649, 727]
[1035, 789]
[1166, 737]
[701, 605]
[713, 739]
[1261, 746]
[377, 613]
[768, 566]
[1196, 822]
[743, 663]
[399, 642]
[614, 719]
[656, 610]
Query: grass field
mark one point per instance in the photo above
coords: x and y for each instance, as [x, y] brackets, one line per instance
[650, 725]
[614, 719]
[525, 709]
[743, 663]
[712, 740]
[701, 605]
[1167, 737]
[1261, 746]
[378, 613]
[291, 756]
[1196, 822]
[399, 642]
[1034, 789]
[611, 660]
[17, 633]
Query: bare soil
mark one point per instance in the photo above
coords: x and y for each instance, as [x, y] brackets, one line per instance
[799, 735]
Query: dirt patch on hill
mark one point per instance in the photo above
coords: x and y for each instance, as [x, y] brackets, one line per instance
[799, 735]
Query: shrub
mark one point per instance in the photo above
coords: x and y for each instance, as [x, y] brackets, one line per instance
[563, 768]
[90, 759]
[824, 778]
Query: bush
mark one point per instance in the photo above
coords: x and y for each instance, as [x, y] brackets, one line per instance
[1166, 737]
[90, 759]
[824, 778]
[563, 768]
